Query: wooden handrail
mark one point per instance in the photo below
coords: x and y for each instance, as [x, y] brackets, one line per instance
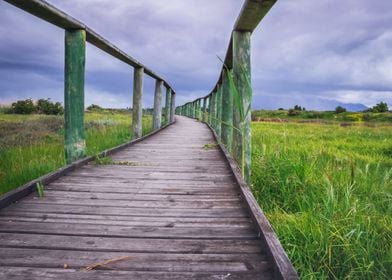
[77, 34]
[233, 130]
[252, 12]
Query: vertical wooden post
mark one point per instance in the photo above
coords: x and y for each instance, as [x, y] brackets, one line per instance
[204, 116]
[173, 106]
[200, 112]
[167, 105]
[210, 110]
[213, 113]
[227, 113]
[241, 74]
[193, 109]
[137, 108]
[157, 115]
[75, 55]
[218, 110]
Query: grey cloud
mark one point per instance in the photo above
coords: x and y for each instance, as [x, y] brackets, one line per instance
[313, 50]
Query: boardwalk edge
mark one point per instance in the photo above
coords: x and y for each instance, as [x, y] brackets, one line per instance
[14, 195]
[284, 268]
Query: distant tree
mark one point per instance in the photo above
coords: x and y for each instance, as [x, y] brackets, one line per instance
[340, 109]
[280, 109]
[93, 107]
[380, 107]
[47, 107]
[293, 112]
[23, 107]
[299, 108]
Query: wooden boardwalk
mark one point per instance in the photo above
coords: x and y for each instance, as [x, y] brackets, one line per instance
[169, 206]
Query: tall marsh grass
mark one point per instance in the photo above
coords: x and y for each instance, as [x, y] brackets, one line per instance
[327, 190]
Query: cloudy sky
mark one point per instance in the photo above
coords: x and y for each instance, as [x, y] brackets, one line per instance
[317, 54]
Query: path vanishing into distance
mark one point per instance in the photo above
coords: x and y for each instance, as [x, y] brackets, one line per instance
[165, 208]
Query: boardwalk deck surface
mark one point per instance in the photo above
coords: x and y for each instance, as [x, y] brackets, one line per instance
[169, 207]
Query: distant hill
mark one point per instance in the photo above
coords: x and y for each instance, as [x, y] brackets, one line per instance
[353, 107]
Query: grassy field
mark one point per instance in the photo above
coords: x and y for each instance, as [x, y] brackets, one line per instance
[33, 145]
[328, 116]
[327, 190]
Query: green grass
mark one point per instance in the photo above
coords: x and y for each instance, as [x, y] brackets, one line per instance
[327, 191]
[33, 145]
[330, 116]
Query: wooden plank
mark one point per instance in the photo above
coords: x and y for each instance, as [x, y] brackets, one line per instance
[23, 273]
[127, 220]
[138, 261]
[49, 194]
[129, 245]
[172, 204]
[125, 212]
[146, 231]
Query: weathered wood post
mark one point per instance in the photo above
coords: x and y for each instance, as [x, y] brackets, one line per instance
[200, 108]
[75, 56]
[242, 74]
[213, 113]
[173, 106]
[227, 113]
[194, 109]
[137, 108]
[210, 110]
[167, 105]
[204, 117]
[218, 110]
[157, 115]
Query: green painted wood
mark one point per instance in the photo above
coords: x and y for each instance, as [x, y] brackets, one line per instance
[167, 105]
[241, 75]
[227, 112]
[210, 110]
[75, 57]
[173, 106]
[218, 128]
[137, 108]
[213, 108]
[200, 107]
[157, 115]
[204, 117]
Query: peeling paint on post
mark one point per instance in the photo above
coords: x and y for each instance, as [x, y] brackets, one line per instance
[137, 108]
[167, 105]
[227, 113]
[218, 111]
[157, 115]
[241, 73]
[75, 56]
[173, 106]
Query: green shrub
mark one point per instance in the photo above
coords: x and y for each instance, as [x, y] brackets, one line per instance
[23, 107]
[45, 106]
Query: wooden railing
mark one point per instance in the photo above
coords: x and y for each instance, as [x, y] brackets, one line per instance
[222, 107]
[76, 36]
